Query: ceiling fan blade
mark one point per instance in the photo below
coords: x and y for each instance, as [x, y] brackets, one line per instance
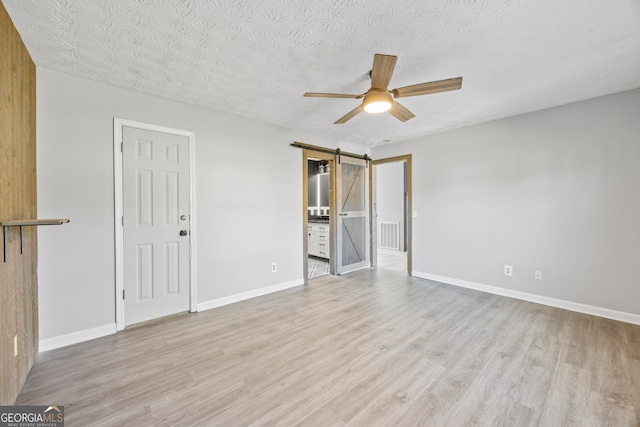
[400, 112]
[330, 95]
[427, 88]
[382, 70]
[349, 115]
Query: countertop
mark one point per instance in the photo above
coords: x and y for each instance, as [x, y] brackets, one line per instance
[319, 221]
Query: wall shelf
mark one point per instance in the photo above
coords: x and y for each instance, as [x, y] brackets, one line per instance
[25, 223]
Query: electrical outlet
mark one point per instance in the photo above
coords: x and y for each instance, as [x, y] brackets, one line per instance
[508, 270]
[274, 267]
[15, 346]
[538, 275]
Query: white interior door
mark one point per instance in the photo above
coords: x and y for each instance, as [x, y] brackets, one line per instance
[155, 181]
[352, 220]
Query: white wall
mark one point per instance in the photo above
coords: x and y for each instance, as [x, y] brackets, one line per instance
[249, 199]
[390, 195]
[556, 191]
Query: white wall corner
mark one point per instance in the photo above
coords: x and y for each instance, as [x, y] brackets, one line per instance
[552, 302]
[77, 337]
[219, 302]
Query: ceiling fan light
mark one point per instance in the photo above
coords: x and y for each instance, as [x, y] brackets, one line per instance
[377, 107]
[377, 101]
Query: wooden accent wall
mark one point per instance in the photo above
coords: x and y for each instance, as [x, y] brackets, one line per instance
[18, 276]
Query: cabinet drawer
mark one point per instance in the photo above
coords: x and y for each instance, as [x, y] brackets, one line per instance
[318, 242]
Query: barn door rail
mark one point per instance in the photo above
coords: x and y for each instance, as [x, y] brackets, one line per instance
[25, 223]
[335, 151]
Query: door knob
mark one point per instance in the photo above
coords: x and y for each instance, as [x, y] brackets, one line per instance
[183, 232]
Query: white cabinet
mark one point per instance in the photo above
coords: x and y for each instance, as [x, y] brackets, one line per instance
[318, 242]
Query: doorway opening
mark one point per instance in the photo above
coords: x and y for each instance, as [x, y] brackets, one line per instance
[391, 206]
[318, 213]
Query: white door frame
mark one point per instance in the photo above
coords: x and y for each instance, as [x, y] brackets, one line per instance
[118, 124]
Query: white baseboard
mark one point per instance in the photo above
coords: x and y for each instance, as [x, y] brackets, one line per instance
[76, 337]
[558, 303]
[207, 305]
[101, 331]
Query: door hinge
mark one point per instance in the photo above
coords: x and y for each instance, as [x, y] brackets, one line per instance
[123, 221]
[121, 147]
[123, 294]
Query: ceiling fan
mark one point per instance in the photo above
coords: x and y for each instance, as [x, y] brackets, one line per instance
[379, 99]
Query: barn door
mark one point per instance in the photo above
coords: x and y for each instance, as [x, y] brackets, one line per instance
[352, 220]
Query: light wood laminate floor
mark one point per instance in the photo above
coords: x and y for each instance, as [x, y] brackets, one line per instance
[371, 348]
[392, 260]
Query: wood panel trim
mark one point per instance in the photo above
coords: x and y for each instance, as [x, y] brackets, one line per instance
[18, 276]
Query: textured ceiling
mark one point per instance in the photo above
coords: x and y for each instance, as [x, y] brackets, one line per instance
[256, 58]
